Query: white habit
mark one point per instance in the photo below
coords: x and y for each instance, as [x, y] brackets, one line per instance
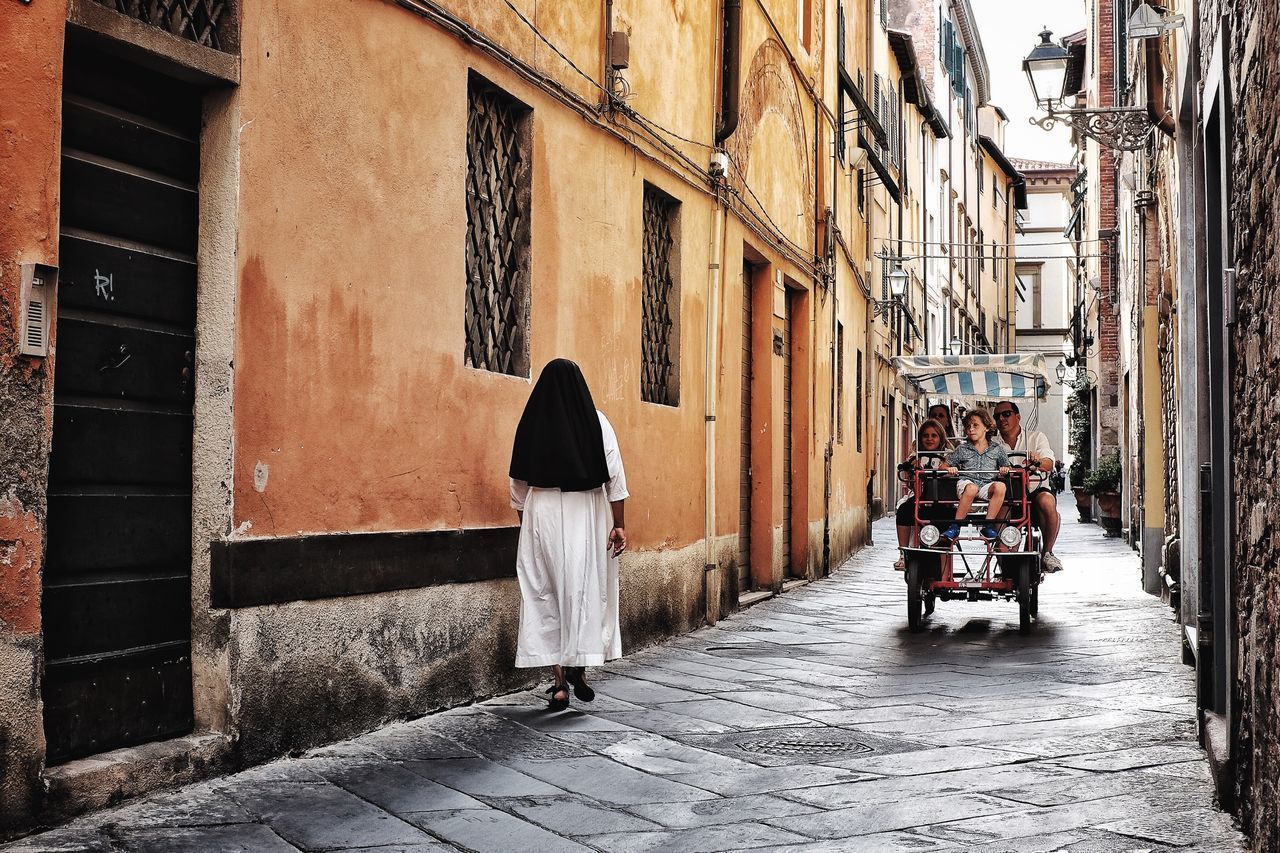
[568, 580]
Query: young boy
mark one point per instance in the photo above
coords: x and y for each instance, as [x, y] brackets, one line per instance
[978, 462]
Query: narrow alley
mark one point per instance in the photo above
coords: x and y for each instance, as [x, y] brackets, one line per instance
[810, 722]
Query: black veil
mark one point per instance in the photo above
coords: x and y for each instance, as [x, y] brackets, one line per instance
[558, 442]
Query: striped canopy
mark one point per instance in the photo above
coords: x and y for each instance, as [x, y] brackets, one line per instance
[1010, 376]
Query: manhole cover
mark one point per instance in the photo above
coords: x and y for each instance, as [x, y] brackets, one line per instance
[750, 628]
[802, 747]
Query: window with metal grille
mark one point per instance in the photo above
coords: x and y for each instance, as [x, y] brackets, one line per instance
[205, 22]
[839, 382]
[659, 320]
[497, 249]
[858, 403]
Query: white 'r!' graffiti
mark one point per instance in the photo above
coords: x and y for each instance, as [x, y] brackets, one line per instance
[104, 286]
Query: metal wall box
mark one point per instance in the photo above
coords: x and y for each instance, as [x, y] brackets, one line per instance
[619, 50]
[38, 293]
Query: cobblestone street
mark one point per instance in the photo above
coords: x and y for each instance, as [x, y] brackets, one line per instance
[810, 722]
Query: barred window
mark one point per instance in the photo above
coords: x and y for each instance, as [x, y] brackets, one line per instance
[858, 403]
[839, 382]
[206, 22]
[497, 250]
[660, 301]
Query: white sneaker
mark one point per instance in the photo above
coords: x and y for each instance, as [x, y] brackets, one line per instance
[1050, 563]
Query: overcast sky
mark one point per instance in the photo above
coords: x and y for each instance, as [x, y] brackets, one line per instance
[1009, 30]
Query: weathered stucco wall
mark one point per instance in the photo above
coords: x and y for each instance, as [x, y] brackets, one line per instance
[352, 405]
[30, 124]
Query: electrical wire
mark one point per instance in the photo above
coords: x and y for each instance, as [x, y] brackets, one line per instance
[556, 50]
[670, 132]
[654, 128]
[743, 176]
[963, 243]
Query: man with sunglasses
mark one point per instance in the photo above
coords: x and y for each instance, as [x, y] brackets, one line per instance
[1044, 504]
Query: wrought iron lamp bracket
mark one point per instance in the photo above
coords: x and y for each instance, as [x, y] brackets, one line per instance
[884, 308]
[1118, 128]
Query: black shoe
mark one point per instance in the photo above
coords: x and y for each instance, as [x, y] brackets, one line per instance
[555, 705]
[575, 676]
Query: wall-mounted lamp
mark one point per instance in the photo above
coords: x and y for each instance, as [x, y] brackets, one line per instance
[1118, 128]
[897, 289]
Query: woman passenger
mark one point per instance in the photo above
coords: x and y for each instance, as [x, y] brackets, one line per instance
[931, 438]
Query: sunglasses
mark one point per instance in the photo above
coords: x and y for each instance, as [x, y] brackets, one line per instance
[1005, 414]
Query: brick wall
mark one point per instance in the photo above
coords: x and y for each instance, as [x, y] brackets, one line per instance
[1109, 414]
[1253, 53]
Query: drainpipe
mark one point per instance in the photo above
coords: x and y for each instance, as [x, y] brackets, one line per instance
[710, 575]
[730, 73]
[924, 227]
[730, 83]
[1157, 109]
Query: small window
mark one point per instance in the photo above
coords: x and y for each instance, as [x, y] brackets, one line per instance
[804, 22]
[862, 191]
[660, 300]
[839, 382]
[981, 254]
[497, 248]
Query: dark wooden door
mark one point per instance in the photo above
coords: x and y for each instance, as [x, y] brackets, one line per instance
[117, 579]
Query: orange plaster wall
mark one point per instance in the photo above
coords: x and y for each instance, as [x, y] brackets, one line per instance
[30, 125]
[351, 399]
[20, 559]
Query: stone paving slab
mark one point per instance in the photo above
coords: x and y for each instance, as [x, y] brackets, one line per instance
[812, 722]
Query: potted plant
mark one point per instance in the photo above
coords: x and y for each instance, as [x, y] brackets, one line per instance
[1103, 483]
[1078, 441]
[1084, 502]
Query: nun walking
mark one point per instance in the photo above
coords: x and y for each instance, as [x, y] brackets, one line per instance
[568, 487]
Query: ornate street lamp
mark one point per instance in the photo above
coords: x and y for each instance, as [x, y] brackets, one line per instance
[898, 282]
[1118, 128]
[897, 291]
